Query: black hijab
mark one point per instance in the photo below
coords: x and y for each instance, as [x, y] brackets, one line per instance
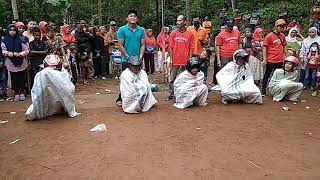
[13, 44]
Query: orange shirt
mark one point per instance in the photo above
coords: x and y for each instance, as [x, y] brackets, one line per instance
[181, 44]
[200, 34]
[275, 53]
[228, 42]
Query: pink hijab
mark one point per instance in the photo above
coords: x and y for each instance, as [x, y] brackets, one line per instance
[256, 34]
[67, 36]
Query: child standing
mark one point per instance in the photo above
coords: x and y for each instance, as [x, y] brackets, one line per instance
[84, 63]
[204, 61]
[3, 77]
[317, 90]
[311, 68]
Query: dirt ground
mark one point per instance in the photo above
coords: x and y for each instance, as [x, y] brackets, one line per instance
[234, 141]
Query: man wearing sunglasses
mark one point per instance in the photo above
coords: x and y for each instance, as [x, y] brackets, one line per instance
[273, 51]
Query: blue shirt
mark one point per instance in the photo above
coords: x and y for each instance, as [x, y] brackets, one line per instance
[131, 40]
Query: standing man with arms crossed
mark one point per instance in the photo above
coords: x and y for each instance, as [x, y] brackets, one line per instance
[273, 52]
[131, 40]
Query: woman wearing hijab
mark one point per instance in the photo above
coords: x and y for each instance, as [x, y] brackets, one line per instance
[15, 53]
[150, 47]
[66, 35]
[255, 59]
[43, 26]
[21, 29]
[305, 47]
[293, 44]
[163, 44]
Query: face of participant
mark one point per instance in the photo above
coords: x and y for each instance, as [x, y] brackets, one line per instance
[150, 33]
[280, 28]
[132, 18]
[21, 29]
[12, 32]
[102, 30]
[30, 25]
[288, 66]
[223, 28]
[196, 22]
[50, 34]
[248, 34]
[241, 61]
[68, 30]
[204, 55]
[312, 33]
[37, 36]
[82, 24]
[113, 27]
[135, 68]
[165, 30]
[180, 22]
[293, 33]
[229, 28]
[194, 71]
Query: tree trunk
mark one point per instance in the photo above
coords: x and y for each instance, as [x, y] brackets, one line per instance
[99, 12]
[233, 6]
[158, 15]
[15, 9]
[188, 11]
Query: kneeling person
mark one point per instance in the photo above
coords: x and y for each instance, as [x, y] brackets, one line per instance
[52, 91]
[135, 88]
[283, 83]
[236, 81]
[189, 87]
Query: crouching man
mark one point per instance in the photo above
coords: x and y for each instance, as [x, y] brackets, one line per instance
[236, 81]
[135, 88]
[283, 84]
[52, 91]
[189, 87]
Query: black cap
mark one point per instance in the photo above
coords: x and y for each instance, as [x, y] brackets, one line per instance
[133, 11]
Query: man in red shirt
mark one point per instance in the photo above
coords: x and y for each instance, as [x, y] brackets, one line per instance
[273, 51]
[227, 43]
[182, 45]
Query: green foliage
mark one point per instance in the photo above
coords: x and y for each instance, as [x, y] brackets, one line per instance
[73, 10]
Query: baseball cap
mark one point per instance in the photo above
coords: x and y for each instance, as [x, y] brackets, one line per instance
[113, 23]
[280, 22]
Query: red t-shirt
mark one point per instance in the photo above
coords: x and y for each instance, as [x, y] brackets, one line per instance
[275, 53]
[228, 42]
[181, 44]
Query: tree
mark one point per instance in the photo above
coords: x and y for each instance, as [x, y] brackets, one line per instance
[188, 11]
[14, 9]
[100, 12]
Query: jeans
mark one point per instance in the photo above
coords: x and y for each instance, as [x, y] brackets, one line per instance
[204, 69]
[310, 78]
[3, 80]
[270, 67]
[302, 76]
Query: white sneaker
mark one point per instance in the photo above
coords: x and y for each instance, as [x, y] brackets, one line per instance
[224, 101]
[103, 78]
[16, 97]
[22, 97]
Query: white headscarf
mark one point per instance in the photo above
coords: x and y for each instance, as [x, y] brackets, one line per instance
[307, 43]
[309, 40]
[291, 39]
